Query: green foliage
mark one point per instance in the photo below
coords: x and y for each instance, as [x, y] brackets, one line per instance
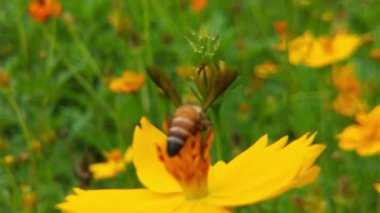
[59, 71]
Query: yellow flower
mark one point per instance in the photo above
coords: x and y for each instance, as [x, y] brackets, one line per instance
[185, 71]
[265, 69]
[319, 52]
[119, 21]
[348, 101]
[300, 47]
[115, 164]
[364, 137]
[187, 183]
[128, 83]
[28, 198]
[344, 79]
[35, 146]
[9, 160]
[327, 16]
[348, 104]
[377, 187]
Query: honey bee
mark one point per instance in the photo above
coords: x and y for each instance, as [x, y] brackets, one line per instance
[189, 119]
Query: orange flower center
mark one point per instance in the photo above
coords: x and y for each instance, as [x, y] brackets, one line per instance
[114, 155]
[327, 45]
[190, 166]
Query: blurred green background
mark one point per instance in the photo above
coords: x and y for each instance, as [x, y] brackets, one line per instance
[59, 113]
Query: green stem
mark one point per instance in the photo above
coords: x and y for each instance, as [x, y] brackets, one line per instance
[85, 51]
[218, 138]
[21, 34]
[13, 184]
[118, 123]
[146, 18]
[51, 37]
[21, 121]
[90, 90]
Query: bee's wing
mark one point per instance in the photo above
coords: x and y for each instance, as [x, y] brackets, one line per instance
[162, 81]
[219, 84]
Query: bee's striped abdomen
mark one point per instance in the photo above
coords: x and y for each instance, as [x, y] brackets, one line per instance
[182, 125]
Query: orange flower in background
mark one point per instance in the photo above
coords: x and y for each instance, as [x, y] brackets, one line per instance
[42, 9]
[198, 5]
[281, 28]
[344, 79]
[188, 183]
[377, 187]
[348, 102]
[265, 69]
[128, 83]
[115, 164]
[375, 53]
[319, 52]
[4, 78]
[363, 137]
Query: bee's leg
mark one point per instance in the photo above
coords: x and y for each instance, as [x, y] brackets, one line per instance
[167, 123]
[207, 140]
[205, 124]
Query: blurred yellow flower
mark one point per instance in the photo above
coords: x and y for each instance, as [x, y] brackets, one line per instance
[348, 102]
[128, 83]
[42, 9]
[35, 146]
[185, 71]
[198, 5]
[327, 16]
[364, 137]
[120, 22]
[265, 69]
[319, 52]
[377, 187]
[115, 164]
[344, 79]
[9, 160]
[187, 183]
[28, 198]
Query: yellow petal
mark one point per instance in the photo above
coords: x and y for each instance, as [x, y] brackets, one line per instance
[133, 200]
[201, 206]
[350, 138]
[300, 47]
[120, 201]
[307, 177]
[106, 170]
[128, 83]
[368, 148]
[377, 187]
[128, 155]
[263, 172]
[150, 170]
[345, 45]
